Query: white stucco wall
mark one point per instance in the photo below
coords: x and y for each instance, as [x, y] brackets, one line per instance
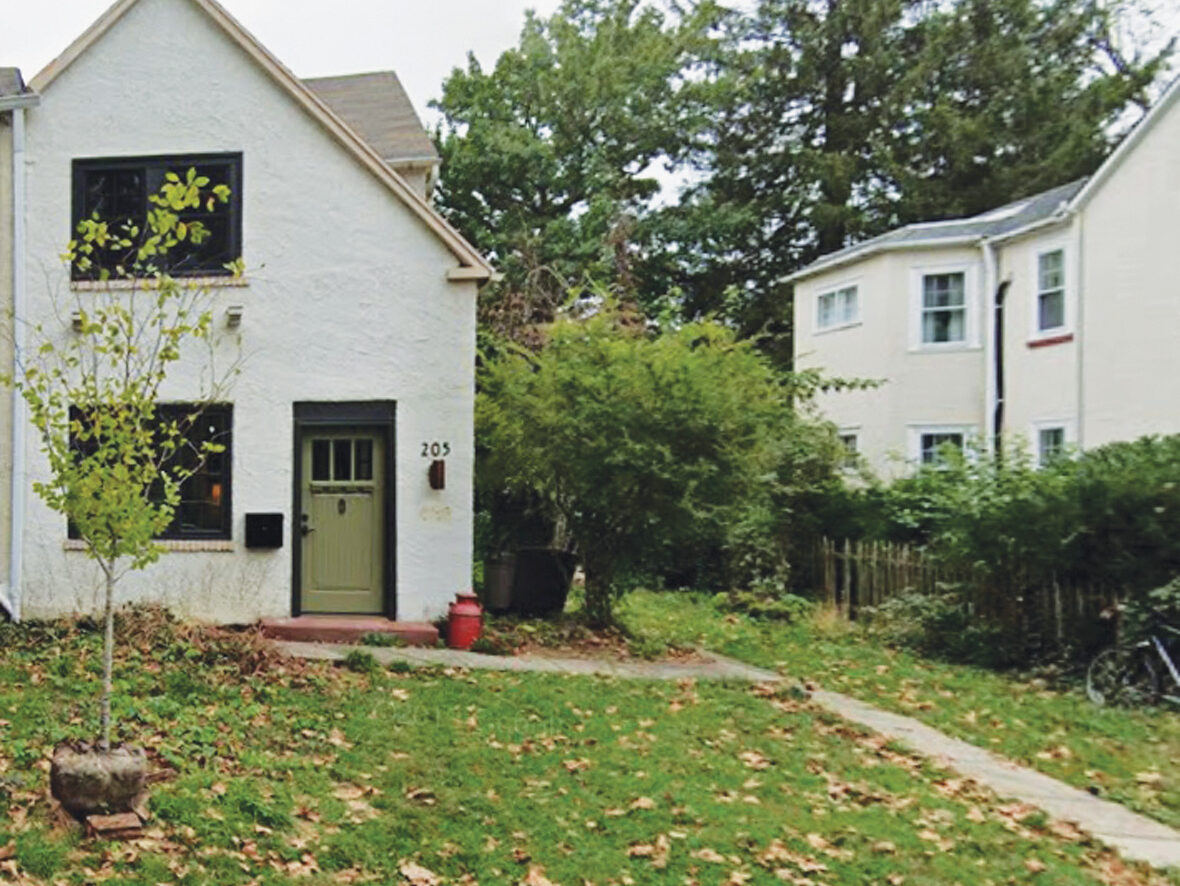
[1131, 293]
[923, 386]
[1041, 369]
[347, 299]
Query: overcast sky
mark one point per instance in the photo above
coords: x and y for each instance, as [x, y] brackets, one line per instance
[420, 39]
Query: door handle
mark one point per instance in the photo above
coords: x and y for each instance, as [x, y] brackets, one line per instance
[304, 529]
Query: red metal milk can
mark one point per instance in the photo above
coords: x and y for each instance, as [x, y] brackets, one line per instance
[465, 621]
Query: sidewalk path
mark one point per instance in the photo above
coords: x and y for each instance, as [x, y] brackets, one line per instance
[1134, 836]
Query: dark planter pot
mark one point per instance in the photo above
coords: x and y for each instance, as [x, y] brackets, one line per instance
[498, 576]
[88, 781]
[542, 581]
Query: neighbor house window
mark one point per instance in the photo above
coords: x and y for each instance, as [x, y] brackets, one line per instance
[117, 191]
[1051, 290]
[929, 443]
[849, 442]
[1050, 444]
[203, 511]
[840, 307]
[944, 308]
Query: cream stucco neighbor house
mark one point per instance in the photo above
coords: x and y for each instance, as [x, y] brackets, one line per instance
[1054, 319]
[355, 323]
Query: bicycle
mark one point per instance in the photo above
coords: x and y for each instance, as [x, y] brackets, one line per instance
[1132, 674]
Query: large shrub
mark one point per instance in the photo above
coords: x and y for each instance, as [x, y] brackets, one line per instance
[645, 444]
[1007, 532]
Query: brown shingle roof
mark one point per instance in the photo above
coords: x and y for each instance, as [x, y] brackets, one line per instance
[376, 107]
[11, 82]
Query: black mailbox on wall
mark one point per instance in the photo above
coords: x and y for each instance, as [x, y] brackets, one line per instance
[264, 530]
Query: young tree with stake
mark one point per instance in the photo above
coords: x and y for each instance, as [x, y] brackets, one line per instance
[116, 465]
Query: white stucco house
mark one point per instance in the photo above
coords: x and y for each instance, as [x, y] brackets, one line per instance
[1053, 319]
[354, 322]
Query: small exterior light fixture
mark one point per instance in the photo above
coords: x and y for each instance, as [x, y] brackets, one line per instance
[76, 320]
[233, 316]
[438, 474]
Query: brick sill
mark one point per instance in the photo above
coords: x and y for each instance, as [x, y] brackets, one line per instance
[172, 545]
[1051, 340]
[124, 285]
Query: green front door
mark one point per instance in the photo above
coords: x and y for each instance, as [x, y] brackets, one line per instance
[341, 521]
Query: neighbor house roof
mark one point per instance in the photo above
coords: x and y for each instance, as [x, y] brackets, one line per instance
[1005, 219]
[13, 92]
[379, 111]
[473, 266]
[11, 82]
[1042, 208]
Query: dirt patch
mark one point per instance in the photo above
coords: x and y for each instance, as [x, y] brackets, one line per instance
[568, 637]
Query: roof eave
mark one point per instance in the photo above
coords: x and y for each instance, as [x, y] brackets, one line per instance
[821, 266]
[24, 100]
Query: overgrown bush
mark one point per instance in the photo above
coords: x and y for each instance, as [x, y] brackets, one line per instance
[649, 444]
[760, 603]
[1107, 519]
[941, 624]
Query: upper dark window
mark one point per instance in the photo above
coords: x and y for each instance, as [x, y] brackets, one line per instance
[117, 190]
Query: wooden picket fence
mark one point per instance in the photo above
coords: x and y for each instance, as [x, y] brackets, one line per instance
[1042, 617]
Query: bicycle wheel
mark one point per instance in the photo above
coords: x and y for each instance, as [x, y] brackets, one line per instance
[1122, 676]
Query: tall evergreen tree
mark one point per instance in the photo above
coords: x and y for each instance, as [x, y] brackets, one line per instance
[839, 119]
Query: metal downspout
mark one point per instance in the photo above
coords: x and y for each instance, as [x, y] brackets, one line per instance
[16, 542]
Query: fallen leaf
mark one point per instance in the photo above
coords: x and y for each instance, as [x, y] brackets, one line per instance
[418, 875]
[536, 877]
[1035, 865]
[709, 855]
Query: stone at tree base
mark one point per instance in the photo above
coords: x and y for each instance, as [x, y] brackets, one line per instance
[124, 826]
[89, 781]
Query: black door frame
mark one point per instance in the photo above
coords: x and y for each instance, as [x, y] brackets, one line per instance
[367, 415]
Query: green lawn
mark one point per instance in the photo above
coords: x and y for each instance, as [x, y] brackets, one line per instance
[322, 775]
[1125, 755]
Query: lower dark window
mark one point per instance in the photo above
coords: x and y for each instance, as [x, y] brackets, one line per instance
[203, 511]
[204, 507]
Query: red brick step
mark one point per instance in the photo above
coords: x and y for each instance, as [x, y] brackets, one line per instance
[347, 629]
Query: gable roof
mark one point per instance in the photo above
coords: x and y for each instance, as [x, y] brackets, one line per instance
[1128, 144]
[473, 266]
[376, 107]
[1004, 220]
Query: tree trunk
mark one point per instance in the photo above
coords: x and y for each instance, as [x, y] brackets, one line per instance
[599, 611]
[108, 656]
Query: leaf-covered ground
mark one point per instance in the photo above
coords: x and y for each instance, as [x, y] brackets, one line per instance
[1130, 756]
[314, 774]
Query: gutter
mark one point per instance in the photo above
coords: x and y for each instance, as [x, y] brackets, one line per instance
[19, 416]
[871, 249]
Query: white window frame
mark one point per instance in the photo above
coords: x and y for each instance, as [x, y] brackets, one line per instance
[853, 453]
[842, 286]
[969, 433]
[1070, 271]
[971, 331]
[1066, 426]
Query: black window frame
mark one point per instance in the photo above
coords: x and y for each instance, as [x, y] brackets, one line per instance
[154, 167]
[175, 531]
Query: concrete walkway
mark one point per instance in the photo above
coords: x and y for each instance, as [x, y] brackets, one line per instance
[1134, 836]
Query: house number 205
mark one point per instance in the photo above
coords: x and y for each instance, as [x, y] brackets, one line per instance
[436, 449]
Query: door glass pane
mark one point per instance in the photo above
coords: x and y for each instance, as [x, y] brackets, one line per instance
[341, 460]
[364, 460]
[321, 457]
